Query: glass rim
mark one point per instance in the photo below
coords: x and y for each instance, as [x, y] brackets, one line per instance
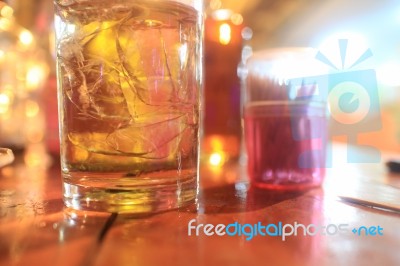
[271, 54]
[286, 102]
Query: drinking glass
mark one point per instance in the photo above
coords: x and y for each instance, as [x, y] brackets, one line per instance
[129, 78]
[285, 120]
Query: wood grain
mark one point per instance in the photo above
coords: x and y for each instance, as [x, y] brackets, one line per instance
[35, 228]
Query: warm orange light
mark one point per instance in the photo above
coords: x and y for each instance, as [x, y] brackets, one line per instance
[35, 76]
[222, 14]
[6, 11]
[31, 108]
[216, 143]
[237, 19]
[225, 34]
[216, 159]
[35, 156]
[5, 24]
[217, 155]
[26, 37]
[4, 103]
[215, 4]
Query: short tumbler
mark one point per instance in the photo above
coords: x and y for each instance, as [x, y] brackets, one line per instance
[129, 80]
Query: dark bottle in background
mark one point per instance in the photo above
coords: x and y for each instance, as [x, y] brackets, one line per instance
[222, 122]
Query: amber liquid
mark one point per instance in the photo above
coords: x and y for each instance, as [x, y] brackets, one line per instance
[129, 77]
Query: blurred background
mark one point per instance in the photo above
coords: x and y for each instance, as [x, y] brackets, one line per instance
[234, 30]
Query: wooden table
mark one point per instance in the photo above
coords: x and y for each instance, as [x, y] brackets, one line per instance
[35, 228]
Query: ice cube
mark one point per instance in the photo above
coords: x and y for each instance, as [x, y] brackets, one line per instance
[156, 138]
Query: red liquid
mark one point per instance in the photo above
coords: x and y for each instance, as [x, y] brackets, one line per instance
[286, 145]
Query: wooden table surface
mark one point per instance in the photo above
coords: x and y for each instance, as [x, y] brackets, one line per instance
[36, 229]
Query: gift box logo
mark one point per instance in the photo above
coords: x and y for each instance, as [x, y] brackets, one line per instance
[353, 100]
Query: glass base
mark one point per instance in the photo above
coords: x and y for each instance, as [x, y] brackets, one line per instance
[287, 186]
[127, 195]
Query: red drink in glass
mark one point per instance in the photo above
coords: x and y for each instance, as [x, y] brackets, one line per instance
[286, 143]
